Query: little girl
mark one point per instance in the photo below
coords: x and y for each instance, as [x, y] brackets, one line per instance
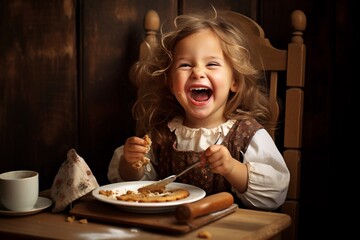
[201, 99]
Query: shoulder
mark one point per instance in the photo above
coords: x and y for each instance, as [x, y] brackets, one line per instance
[248, 125]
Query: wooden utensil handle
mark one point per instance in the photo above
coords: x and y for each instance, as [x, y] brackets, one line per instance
[212, 203]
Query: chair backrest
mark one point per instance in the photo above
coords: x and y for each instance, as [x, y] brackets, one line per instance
[285, 69]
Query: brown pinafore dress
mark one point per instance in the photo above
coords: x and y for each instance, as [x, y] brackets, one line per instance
[172, 161]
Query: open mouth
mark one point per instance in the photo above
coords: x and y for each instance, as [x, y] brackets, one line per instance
[201, 94]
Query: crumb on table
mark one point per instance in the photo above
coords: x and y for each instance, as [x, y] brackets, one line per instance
[204, 234]
[70, 219]
[83, 221]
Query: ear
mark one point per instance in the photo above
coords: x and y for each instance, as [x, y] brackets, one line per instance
[234, 86]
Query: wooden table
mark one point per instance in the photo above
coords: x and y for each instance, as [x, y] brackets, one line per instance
[241, 224]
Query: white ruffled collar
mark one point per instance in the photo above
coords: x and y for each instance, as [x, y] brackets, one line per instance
[198, 139]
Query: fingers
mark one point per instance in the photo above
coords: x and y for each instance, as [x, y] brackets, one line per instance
[135, 141]
[219, 159]
[134, 149]
[214, 152]
[215, 161]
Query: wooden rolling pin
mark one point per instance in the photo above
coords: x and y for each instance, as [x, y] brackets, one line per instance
[186, 212]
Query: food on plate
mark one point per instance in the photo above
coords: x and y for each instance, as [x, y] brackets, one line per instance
[152, 188]
[145, 160]
[162, 195]
[107, 193]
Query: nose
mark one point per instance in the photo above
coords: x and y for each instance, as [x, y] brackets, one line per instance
[197, 73]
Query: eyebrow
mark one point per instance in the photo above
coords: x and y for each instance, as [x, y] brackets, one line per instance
[208, 58]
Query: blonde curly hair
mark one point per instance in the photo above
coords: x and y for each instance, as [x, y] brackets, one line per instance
[156, 105]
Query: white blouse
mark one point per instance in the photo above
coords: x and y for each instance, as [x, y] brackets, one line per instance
[268, 174]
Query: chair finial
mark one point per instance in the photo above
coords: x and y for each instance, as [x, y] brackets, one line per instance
[298, 23]
[152, 21]
[151, 25]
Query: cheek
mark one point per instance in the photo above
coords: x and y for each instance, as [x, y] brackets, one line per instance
[177, 89]
[173, 84]
[177, 84]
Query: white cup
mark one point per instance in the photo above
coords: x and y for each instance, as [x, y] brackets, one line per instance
[19, 190]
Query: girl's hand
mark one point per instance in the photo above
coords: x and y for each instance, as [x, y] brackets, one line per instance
[134, 149]
[219, 159]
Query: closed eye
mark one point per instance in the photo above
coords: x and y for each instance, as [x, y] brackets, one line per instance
[184, 65]
[213, 64]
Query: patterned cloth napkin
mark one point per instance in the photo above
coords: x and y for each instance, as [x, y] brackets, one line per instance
[73, 180]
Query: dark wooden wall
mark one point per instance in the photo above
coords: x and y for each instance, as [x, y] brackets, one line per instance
[64, 84]
[110, 33]
[38, 85]
[64, 80]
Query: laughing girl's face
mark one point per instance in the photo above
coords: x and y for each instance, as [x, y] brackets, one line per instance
[201, 79]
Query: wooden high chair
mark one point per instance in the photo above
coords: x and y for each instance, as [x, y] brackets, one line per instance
[285, 69]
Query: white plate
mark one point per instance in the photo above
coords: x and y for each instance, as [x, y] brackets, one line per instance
[41, 204]
[151, 207]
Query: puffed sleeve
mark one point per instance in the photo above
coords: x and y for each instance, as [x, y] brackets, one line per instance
[268, 174]
[113, 169]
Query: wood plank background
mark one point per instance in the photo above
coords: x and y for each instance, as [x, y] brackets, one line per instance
[38, 85]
